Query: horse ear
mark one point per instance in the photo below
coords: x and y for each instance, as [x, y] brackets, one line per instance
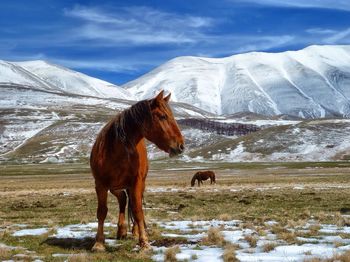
[159, 97]
[155, 101]
[167, 98]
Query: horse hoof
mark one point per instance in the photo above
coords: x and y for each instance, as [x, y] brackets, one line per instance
[145, 246]
[122, 232]
[121, 237]
[98, 247]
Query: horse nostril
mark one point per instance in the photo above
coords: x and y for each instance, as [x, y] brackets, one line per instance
[181, 147]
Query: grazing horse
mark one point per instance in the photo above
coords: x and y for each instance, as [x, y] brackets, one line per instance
[203, 175]
[119, 160]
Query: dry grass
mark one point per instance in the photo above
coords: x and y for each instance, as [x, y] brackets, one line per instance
[170, 254]
[229, 254]
[314, 229]
[344, 257]
[82, 257]
[34, 195]
[194, 257]
[225, 217]
[251, 239]
[214, 237]
[314, 259]
[5, 253]
[340, 220]
[267, 247]
[338, 244]
[289, 237]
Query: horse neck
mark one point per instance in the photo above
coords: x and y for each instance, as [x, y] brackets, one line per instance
[130, 133]
[133, 135]
[193, 181]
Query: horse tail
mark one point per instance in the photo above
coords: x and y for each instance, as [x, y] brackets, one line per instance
[193, 181]
[144, 208]
[130, 214]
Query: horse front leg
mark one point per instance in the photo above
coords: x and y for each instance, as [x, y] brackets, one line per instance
[101, 216]
[136, 201]
[122, 227]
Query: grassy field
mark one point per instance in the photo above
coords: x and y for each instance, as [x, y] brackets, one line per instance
[51, 196]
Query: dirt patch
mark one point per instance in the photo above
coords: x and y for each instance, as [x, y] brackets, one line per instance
[168, 242]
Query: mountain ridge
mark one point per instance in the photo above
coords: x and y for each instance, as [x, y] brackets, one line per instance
[298, 83]
[51, 77]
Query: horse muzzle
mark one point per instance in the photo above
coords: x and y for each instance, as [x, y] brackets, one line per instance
[174, 151]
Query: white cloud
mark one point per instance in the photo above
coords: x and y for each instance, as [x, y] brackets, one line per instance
[339, 37]
[329, 36]
[325, 4]
[137, 25]
[320, 31]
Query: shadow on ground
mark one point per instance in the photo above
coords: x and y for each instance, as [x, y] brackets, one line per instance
[71, 243]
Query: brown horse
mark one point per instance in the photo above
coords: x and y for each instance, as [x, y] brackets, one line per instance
[203, 175]
[119, 160]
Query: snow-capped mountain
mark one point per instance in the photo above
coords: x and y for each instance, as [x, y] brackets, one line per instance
[49, 77]
[51, 112]
[309, 83]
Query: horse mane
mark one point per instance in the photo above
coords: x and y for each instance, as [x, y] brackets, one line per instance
[123, 125]
[135, 117]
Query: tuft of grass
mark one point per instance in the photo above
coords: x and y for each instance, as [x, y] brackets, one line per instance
[289, 237]
[345, 257]
[251, 239]
[314, 259]
[194, 257]
[340, 220]
[170, 254]
[338, 244]
[267, 247]
[5, 253]
[229, 254]
[225, 217]
[214, 237]
[314, 229]
[261, 231]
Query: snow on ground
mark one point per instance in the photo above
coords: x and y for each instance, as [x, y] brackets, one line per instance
[208, 188]
[292, 253]
[189, 252]
[30, 232]
[16, 134]
[329, 240]
[259, 122]
[321, 246]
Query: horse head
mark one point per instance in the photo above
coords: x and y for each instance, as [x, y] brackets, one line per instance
[164, 131]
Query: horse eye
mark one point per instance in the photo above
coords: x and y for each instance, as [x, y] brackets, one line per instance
[163, 117]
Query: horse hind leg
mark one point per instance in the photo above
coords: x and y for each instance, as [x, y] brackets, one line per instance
[122, 227]
[101, 216]
[136, 200]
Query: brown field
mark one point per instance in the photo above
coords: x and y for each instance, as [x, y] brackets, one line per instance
[57, 195]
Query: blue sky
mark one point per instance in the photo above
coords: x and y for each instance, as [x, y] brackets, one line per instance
[120, 40]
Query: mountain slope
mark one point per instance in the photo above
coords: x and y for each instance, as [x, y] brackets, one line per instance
[311, 140]
[49, 77]
[310, 83]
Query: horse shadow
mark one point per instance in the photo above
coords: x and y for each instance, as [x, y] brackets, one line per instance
[71, 243]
